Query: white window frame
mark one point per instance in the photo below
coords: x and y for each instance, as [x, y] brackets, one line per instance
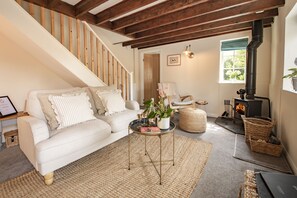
[290, 55]
[221, 74]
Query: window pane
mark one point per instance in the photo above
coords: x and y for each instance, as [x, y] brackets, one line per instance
[228, 74]
[239, 58]
[239, 74]
[228, 63]
[233, 63]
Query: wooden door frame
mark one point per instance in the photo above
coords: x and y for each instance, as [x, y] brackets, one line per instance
[156, 51]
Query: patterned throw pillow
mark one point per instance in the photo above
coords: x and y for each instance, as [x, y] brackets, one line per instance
[46, 106]
[72, 109]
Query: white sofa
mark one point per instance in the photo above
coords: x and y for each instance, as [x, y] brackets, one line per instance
[49, 150]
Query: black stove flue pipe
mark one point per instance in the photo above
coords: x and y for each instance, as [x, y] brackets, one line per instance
[251, 59]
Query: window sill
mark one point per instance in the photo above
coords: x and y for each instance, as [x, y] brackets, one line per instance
[290, 90]
[226, 82]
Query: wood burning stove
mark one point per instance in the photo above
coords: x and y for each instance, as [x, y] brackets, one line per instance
[247, 107]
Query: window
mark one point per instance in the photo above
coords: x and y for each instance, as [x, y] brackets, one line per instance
[290, 56]
[233, 61]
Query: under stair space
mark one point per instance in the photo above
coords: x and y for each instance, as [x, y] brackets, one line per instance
[79, 54]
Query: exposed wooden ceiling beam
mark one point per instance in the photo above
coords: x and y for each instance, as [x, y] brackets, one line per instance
[63, 7]
[208, 26]
[90, 18]
[187, 13]
[119, 9]
[179, 17]
[42, 3]
[85, 6]
[215, 16]
[220, 33]
[217, 34]
[212, 35]
[203, 34]
[154, 11]
[54, 3]
[69, 10]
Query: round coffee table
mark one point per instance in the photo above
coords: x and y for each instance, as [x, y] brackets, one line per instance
[136, 126]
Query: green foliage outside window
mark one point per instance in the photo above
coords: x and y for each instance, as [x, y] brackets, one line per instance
[234, 63]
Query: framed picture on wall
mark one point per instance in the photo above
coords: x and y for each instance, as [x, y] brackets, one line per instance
[173, 60]
[6, 107]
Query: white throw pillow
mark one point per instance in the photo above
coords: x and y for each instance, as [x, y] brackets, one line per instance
[72, 110]
[112, 101]
[97, 100]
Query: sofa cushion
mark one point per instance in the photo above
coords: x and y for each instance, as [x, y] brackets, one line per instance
[97, 100]
[112, 101]
[71, 109]
[119, 121]
[132, 105]
[72, 139]
[33, 105]
[46, 105]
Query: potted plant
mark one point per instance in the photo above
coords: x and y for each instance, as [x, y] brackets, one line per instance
[159, 111]
[293, 76]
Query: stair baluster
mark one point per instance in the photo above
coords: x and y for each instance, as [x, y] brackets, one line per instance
[83, 42]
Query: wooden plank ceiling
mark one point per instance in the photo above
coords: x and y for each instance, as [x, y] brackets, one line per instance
[151, 23]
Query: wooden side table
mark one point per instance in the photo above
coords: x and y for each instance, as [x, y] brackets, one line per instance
[12, 135]
[201, 103]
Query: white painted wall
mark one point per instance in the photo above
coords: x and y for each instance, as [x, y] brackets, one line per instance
[284, 105]
[21, 72]
[200, 76]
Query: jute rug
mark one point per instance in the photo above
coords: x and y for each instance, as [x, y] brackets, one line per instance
[243, 152]
[104, 173]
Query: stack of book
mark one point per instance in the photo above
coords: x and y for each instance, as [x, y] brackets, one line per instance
[149, 129]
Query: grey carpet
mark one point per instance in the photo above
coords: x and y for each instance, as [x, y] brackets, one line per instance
[223, 174]
[230, 125]
[243, 152]
[13, 163]
[221, 177]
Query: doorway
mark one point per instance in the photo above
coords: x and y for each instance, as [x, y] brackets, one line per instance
[151, 71]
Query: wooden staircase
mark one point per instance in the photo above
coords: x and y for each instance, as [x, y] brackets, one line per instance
[80, 39]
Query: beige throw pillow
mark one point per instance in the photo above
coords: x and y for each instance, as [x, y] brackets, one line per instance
[98, 103]
[112, 101]
[71, 109]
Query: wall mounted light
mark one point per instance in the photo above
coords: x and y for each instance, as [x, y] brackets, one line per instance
[188, 52]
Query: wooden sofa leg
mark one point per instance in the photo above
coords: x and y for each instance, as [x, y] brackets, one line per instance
[49, 178]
